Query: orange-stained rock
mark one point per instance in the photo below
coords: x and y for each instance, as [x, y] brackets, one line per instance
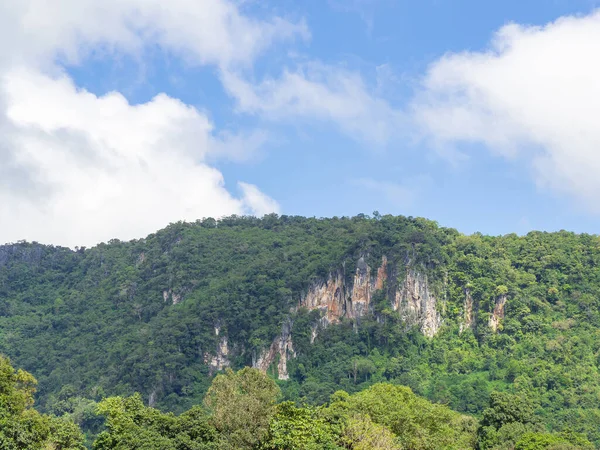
[416, 304]
[468, 311]
[335, 299]
[498, 313]
[327, 296]
[338, 300]
[381, 274]
[361, 291]
[282, 346]
[220, 360]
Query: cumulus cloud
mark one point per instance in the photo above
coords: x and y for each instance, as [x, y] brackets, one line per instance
[258, 203]
[203, 31]
[99, 167]
[533, 95]
[214, 32]
[319, 93]
[75, 168]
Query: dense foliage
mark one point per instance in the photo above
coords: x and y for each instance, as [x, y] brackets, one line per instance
[240, 412]
[21, 426]
[95, 322]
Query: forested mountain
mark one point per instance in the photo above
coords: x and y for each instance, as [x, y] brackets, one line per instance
[320, 305]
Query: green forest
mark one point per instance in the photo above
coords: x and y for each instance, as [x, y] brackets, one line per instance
[463, 341]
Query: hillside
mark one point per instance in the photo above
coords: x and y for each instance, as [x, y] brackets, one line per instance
[321, 305]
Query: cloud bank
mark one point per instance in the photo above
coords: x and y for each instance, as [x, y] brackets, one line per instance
[320, 93]
[75, 168]
[99, 167]
[533, 96]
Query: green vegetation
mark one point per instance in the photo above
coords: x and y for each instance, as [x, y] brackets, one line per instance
[140, 316]
[240, 412]
[21, 426]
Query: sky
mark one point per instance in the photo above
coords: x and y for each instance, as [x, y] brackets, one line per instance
[121, 116]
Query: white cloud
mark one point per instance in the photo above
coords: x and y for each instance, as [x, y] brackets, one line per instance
[319, 93]
[211, 32]
[258, 203]
[203, 31]
[75, 168]
[535, 94]
[101, 168]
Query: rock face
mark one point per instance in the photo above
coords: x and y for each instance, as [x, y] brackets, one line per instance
[417, 305]
[169, 294]
[498, 313]
[360, 296]
[467, 311]
[413, 299]
[336, 300]
[220, 360]
[282, 346]
[327, 296]
[381, 274]
[140, 259]
[31, 254]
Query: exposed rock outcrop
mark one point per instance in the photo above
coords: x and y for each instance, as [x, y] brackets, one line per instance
[417, 305]
[281, 347]
[152, 398]
[169, 294]
[467, 311]
[362, 287]
[220, 360]
[382, 274]
[327, 296]
[314, 333]
[413, 299]
[141, 259]
[498, 312]
[31, 254]
[336, 300]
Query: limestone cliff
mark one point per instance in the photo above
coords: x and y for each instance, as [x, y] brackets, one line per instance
[336, 300]
[413, 299]
[220, 360]
[360, 296]
[281, 347]
[498, 312]
[381, 274]
[328, 296]
[169, 294]
[467, 311]
[417, 304]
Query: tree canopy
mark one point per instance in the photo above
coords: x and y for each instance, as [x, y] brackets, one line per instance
[519, 321]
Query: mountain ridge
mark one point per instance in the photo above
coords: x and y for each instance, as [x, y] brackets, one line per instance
[322, 304]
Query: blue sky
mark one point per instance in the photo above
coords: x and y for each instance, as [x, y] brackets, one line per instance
[436, 108]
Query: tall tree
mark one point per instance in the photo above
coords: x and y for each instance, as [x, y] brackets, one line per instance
[242, 405]
[21, 426]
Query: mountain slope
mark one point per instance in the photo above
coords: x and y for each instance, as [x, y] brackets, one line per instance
[322, 304]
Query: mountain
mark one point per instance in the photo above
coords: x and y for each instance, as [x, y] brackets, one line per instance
[320, 305]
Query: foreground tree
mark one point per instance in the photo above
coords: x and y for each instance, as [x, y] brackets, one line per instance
[553, 441]
[306, 428]
[510, 423]
[242, 405]
[132, 425]
[384, 410]
[361, 433]
[21, 426]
